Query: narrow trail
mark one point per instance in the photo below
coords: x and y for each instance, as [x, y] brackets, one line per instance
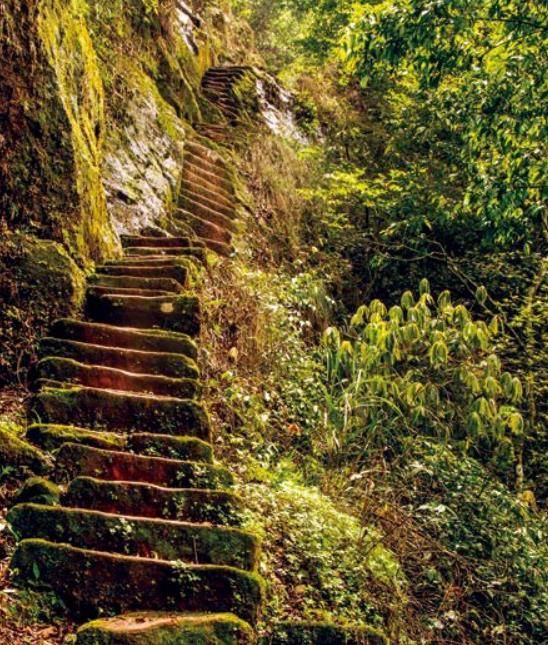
[146, 527]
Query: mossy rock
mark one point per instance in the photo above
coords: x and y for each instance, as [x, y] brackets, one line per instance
[52, 437]
[138, 536]
[18, 456]
[38, 490]
[40, 282]
[311, 633]
[162, 628]
[91, 582]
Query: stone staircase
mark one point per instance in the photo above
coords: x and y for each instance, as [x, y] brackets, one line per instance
[206, 202]
[144, 525]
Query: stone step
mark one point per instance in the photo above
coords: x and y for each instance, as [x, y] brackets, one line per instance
[164, 285]
[96, 291]
[319, 633]
[137, 536]
[159, 251]
[221, 248]
[147, 500]
[142, 240]
[171, 447]
[148, 271]
[213, 204]
[121, 412]
[93, 581]
[165, 628]
[51, 437]
[195, 178]
[129, 360]
[199, 210]
[192, 170]
[76, 460]
[208, 230]
[98, 376]
[172, 313]
[204, 161]
[205, 152]
[151, 340]
[214, 195]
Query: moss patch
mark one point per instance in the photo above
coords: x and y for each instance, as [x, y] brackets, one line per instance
[18, 457]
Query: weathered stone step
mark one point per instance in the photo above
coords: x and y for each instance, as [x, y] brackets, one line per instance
[202, 183]
[221, 248]
[209, 192]
[137, 536]
[98, 376]
[51, 437]
[94, 292]
[76, 460]
[171, 447]
[121, 412]
[200, 198]
[93, 581]
[204, 161]
[205, 152]
[150, 270]
[173, 313]
[164, 628]
[192, 171]
[142, 240]
[199, 210]
[159, 251]
[148, 500]
[226, 72]
[129, 360]
[209, 230]
[151, 340]
[164, 285]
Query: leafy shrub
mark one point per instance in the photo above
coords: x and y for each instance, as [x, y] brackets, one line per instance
[422, 368]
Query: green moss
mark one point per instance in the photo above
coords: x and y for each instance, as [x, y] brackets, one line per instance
[18, 456]
[309, 633]
[38, 490]
[51, 437]
[65, 37]
[166, 629]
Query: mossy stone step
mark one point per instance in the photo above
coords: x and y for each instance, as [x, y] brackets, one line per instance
[202, 208]
[74, 460]
[96, 291]
[185, 448]
[151, 340]
[212, 202]
[121, 412]
[168, 285]
[38, 490]
[51, 437]
[317, 633]
[189, 214]
[129, 360]
[212, 194]
[67, 369]
[202, 161]
[142, 240]
[193, 171]
[200, 179]
[206, 229]
[173, 313]
[93, 581]
[148, 500]
[156, 251]
[219, 247]
[164, 628]
[138, 536]
[169, 270]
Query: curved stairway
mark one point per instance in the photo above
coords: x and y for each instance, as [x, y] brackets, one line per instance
[145, 521]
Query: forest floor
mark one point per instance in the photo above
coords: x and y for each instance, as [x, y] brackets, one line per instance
[26, 618]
